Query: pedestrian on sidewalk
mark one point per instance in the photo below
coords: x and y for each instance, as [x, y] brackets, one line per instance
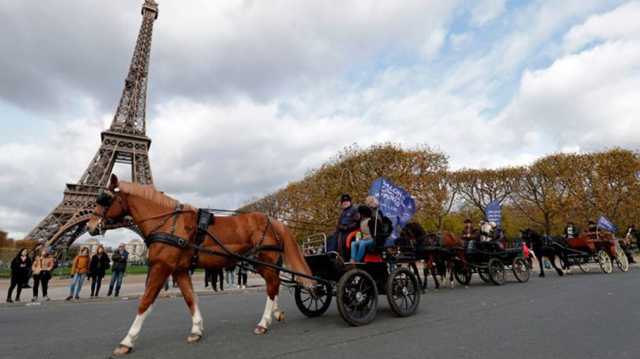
[230, 276]
[97, 269]
[20, 268]
[242, 276]
[79, 270]
[218, 277]
[42, 267]
[119, 267]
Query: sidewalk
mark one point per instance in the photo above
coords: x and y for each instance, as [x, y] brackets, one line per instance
[132, 287]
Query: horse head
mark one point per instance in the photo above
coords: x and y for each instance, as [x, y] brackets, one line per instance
[111, 208]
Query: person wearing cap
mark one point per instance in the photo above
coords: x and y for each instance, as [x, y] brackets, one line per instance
[469, 233]
[348, 222]
[592, 229]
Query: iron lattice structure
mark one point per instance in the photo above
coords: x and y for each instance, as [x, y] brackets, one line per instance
[124, 142]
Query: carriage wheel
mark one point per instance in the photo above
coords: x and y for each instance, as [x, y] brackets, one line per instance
[605, 261]
[313, 302]
[403, 292]
[582, 264]
[496, 271]
[462, 273]
[520, 269]
[484, 276]
[357, 297]
[621, 259]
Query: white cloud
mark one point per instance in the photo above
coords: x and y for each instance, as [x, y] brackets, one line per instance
[618, 24]
[589, 99]
[485, 11]
[246, 96]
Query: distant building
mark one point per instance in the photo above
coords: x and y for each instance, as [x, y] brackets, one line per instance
[137, 250]
[92, 244]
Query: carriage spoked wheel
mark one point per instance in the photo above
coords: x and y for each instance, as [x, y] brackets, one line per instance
[313, 302]
[403, 292]
[357, 297]
[520, 269]
[621, 259]
[496, 271]
[604, 261]
[484, 275]
[582, 264]
[462, 273]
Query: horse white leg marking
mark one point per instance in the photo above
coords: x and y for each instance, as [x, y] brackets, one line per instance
[277, 313]
[266, 316]
[134, 331]
[198, 325]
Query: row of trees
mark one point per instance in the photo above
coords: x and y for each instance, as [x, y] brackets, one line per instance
[544, 195]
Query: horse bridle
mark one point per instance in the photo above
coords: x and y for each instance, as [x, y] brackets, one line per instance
[105, 200]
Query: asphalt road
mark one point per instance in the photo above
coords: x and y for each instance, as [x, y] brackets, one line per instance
[578, 316]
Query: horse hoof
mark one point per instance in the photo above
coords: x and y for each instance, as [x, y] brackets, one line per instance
[541, 275]
[279, 315]
[122, 350]
[194, 338]
[260, 330]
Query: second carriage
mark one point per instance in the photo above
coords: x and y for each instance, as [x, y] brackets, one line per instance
[491, 261]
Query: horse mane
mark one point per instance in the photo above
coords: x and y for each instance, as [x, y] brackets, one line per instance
[148, 192]
[415, 229]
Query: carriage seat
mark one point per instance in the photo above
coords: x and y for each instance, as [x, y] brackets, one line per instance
[372, 255]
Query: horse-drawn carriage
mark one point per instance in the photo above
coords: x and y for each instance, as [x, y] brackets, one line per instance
[356, 286]
[602, 248]
[491, 260]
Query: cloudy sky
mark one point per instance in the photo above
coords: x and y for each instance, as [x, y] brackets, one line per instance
[245, 96]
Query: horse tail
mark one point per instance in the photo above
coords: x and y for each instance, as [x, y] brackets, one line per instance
[293, 257]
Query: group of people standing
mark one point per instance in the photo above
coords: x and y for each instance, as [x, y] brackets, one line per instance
[23, 267]
[41, 264]
[229, 275]
[95, 268]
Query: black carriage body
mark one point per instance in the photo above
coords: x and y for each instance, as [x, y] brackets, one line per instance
[356, 287]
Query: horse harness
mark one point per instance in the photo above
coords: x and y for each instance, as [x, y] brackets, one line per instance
[204, 220]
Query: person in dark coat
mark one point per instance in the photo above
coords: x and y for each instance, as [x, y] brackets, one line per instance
[97, 269]
[119, 259]
[348, 222]
[20, 270]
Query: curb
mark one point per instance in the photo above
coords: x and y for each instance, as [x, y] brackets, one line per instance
[135, 296]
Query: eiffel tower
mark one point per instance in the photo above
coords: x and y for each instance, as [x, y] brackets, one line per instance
[125, 142]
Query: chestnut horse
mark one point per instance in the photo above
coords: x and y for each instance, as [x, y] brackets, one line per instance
[155, 213]
[428, 245]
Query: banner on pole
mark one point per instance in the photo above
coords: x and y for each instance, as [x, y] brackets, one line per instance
[395, 203]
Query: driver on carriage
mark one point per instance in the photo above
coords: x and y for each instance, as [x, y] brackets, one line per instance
[571, 231]
[348, 222]
[469, 233]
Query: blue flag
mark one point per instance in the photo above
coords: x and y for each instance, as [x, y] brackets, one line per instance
[395, 203]
[493, 212]
[605, 223]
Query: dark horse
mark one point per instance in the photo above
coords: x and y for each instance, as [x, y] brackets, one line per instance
[438, 252]
[159, 216]
[544, 247]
